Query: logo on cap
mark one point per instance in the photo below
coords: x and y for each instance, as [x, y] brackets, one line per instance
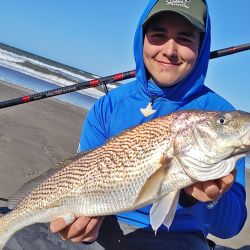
[181, 3]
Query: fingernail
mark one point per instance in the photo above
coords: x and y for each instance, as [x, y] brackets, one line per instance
[68, 218]
[64, 239]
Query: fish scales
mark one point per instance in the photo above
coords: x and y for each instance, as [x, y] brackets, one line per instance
[121, 164]
[142, 165]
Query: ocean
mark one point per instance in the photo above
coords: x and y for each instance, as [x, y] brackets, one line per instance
[38, 85]
[40, 74]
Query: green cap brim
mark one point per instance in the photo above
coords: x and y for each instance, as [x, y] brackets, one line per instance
[192, 20]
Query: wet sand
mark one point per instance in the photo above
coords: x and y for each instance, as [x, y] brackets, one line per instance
[36, 136]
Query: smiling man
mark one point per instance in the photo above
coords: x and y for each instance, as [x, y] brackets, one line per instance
[171, 50]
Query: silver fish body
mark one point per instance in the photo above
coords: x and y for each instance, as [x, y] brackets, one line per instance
[149, 163]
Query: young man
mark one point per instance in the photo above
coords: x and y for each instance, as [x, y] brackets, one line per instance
[171, 49]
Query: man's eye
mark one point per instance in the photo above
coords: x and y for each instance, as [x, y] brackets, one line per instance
[185, 40]
[157, 35]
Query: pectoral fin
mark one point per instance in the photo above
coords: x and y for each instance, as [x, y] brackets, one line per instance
[152, 186]
[163, 211]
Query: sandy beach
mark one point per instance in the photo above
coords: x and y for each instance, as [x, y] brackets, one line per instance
[34, 137]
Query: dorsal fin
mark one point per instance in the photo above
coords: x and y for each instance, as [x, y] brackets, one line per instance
[28, 187]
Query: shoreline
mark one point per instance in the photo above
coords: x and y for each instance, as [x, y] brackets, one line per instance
[81, 98]
[34, 136]
[38, 135]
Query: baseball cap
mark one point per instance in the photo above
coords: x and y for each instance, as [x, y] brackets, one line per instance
[193, 10]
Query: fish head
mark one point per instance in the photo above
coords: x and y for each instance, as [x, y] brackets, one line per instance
[209, 144]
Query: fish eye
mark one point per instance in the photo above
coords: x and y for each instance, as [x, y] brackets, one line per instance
[222, 120]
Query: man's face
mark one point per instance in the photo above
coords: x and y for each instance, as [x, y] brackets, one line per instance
[170, 48]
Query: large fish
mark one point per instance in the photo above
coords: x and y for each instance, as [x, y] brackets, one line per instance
[149, 163]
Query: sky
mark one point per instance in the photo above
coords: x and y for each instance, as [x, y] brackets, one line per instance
[97, 36]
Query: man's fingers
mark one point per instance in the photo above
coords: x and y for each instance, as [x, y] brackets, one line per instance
[197, 191]
[226, 182]
[211, 189]
[84, 239]
[203, 191]
[77, 228]
[61, 222]
[91, 232]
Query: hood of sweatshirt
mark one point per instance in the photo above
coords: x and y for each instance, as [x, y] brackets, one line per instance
[191, 85]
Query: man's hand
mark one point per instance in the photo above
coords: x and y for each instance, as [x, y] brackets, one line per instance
[82, 229]
[210, 190]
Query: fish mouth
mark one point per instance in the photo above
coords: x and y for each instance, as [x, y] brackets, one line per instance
[245, 140]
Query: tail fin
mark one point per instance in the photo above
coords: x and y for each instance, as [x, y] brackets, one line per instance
[5, 233]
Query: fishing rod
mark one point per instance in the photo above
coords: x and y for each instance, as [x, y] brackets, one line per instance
[104, 80]
[229, 51]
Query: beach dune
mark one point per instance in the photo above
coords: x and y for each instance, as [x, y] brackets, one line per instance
[35, 137]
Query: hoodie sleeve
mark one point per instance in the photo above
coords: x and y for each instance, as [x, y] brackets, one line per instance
[94, 130]
[226, 217]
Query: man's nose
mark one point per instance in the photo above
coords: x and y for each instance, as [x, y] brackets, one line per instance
[170, 48]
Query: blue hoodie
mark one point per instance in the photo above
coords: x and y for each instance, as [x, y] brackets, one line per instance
[120, 110]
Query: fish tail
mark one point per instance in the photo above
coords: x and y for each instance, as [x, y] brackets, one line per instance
[3, 242]
[11, 223]
[20, 218]
[5, 232]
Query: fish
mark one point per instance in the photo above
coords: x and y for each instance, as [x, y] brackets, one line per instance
[146, 164]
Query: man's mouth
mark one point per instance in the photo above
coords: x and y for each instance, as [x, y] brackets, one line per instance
[167, 64]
